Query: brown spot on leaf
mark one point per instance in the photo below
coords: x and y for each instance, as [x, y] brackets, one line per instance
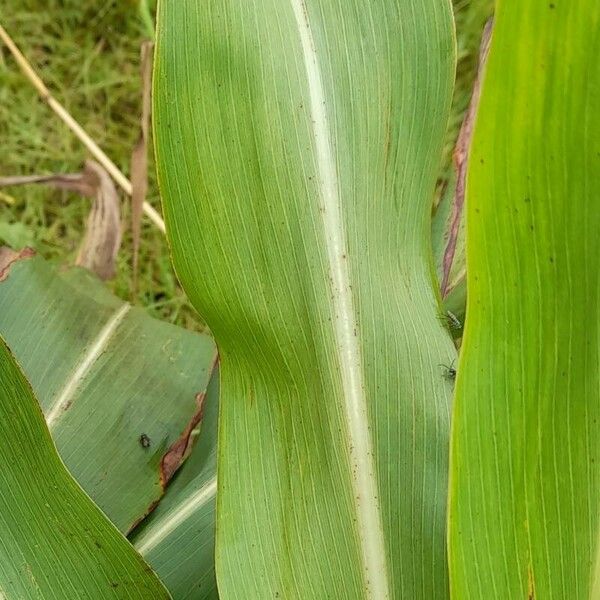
[178, 451]
[8, 256]
[139, 157]
[530, 584]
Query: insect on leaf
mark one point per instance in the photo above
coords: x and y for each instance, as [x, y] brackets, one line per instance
[298, 144]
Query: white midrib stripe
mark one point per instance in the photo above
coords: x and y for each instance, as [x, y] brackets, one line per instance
[65, 395]
[362, 465]
[162, 528]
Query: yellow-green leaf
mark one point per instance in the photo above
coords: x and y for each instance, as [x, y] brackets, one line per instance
[525, 478]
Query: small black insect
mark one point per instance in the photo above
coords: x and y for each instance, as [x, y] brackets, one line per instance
[449, 372]
[144, 441]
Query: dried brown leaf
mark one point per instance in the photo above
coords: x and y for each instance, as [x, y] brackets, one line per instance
[139, 157]
[102, 240]
[460, 157]
[100, 246]
[8, 256]
[67, 181]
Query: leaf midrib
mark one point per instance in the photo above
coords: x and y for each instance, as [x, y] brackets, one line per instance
[64, 396]
[346, 328]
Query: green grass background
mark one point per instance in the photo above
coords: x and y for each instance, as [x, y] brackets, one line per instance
[87, 52]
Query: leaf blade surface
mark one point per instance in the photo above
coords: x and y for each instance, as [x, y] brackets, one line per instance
[55, 541]
[525, 493]
[298, 145]
[117, 387]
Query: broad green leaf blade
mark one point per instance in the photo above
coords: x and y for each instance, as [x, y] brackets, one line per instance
[118, 388]
[525, 493]
[178, 538]
[55, 542]
[298, 144]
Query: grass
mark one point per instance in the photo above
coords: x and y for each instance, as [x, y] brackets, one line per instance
[88, 54]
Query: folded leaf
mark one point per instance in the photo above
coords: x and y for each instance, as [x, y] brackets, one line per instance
[55, 542]
[298, 144]
[525, 495]
[118, 388]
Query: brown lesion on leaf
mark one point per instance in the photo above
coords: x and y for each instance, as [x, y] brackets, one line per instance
[8, 256]
[460, 158]
[530, 583]
[150, 508]
[179, 450]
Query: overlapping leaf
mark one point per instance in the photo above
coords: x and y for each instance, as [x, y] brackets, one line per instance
[298, 145]
[118, 388]
[55, 542]
[525, 492]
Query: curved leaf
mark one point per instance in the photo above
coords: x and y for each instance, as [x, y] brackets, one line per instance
[178, 538]
[448, 223]
[298, 143]
[55, 542]
[525, 493]
[118, 388]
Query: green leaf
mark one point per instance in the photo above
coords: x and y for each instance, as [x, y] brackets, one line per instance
[118, 388]
[525, 491]
[298, 144]
[178, 538]
[55, 542]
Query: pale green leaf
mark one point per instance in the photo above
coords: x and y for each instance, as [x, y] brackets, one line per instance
[525, 492]
[55, 544]
[298, 144]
